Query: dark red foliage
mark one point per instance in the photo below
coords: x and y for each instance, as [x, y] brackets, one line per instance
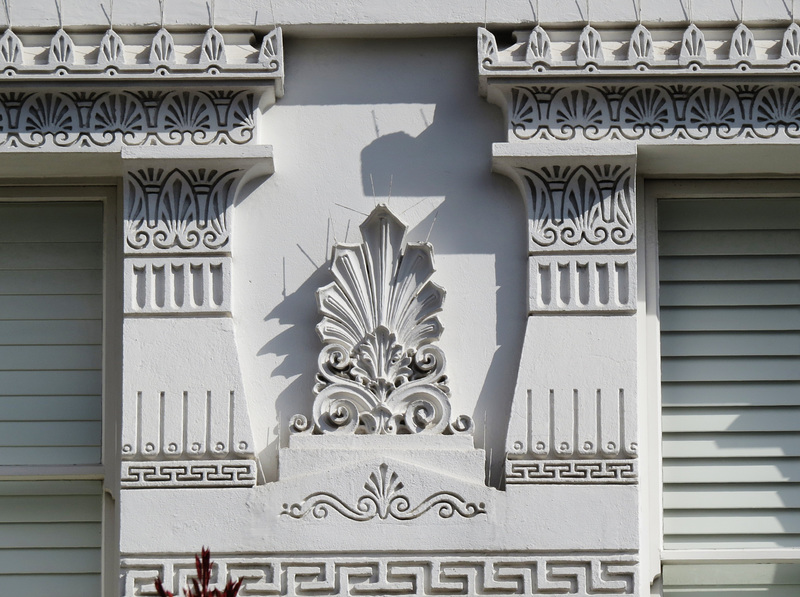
[199, 586]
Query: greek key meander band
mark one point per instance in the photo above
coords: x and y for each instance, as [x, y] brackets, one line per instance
[200, 473]
[416, 576]
[531, 472]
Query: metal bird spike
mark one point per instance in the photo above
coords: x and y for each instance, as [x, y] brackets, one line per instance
[8, 12]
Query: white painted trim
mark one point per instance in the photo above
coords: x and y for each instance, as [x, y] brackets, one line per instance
[712, 556]
[649, 375]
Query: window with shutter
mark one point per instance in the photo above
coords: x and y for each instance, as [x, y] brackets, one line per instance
[729, 314]
[51, 393]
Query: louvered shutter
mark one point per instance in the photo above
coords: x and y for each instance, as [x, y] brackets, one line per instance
[51, 282]
[729, 298]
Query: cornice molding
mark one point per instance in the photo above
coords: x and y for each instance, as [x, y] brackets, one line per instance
[640, 52]
[143, 56]
[654, 112]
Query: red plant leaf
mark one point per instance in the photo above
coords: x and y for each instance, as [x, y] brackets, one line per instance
[204, 567]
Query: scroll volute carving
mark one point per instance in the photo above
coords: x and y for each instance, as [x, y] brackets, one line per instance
[379, 369]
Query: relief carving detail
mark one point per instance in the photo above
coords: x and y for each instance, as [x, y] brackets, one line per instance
[179, 210]
[384, 498]
[379, 369]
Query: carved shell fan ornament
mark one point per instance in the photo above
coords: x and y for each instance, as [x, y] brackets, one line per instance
[379, 371]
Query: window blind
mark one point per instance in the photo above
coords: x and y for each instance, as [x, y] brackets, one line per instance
[51, 285]
[729, 298]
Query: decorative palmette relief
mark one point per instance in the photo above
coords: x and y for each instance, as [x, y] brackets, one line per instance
[790, 46]
[162, 49]
[212, 51]
[641, 45]
[384, 499]
[102, 119]
[10, 48]
[649, 111]
[572, 207]
[62, 49]
[190, 473]
[585, 53]
[538, 48]
[112, 49]
[179, 210]
[447, 575]
[379, 370]
[207, 55]
[693, 45]
[743, 45]
[487, 47]
[590, 47]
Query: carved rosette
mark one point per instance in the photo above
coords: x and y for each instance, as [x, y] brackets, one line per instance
[379, 371]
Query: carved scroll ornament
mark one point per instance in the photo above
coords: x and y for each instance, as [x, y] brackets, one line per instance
[384, 498]
[179, 209]
[379, 371]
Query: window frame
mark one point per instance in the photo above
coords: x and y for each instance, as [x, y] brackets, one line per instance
[651, 190]
[109, 194]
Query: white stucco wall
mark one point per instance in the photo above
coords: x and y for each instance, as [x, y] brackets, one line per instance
[404, 111]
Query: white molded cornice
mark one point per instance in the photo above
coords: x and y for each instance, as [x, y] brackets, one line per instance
[640, 52]
[206, 55]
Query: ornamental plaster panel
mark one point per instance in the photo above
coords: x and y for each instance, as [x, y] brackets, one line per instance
[188, 474]
[92, 117]
[191, 424]
[130, 56]
[649, 111]
[179, 285]
[582, 284]
[581, 224]
[584, 472]
[579, 574]
[179, 210]
[379, 369]
[573, 423]
[577, 204]
[592, 54]
[385, 497]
